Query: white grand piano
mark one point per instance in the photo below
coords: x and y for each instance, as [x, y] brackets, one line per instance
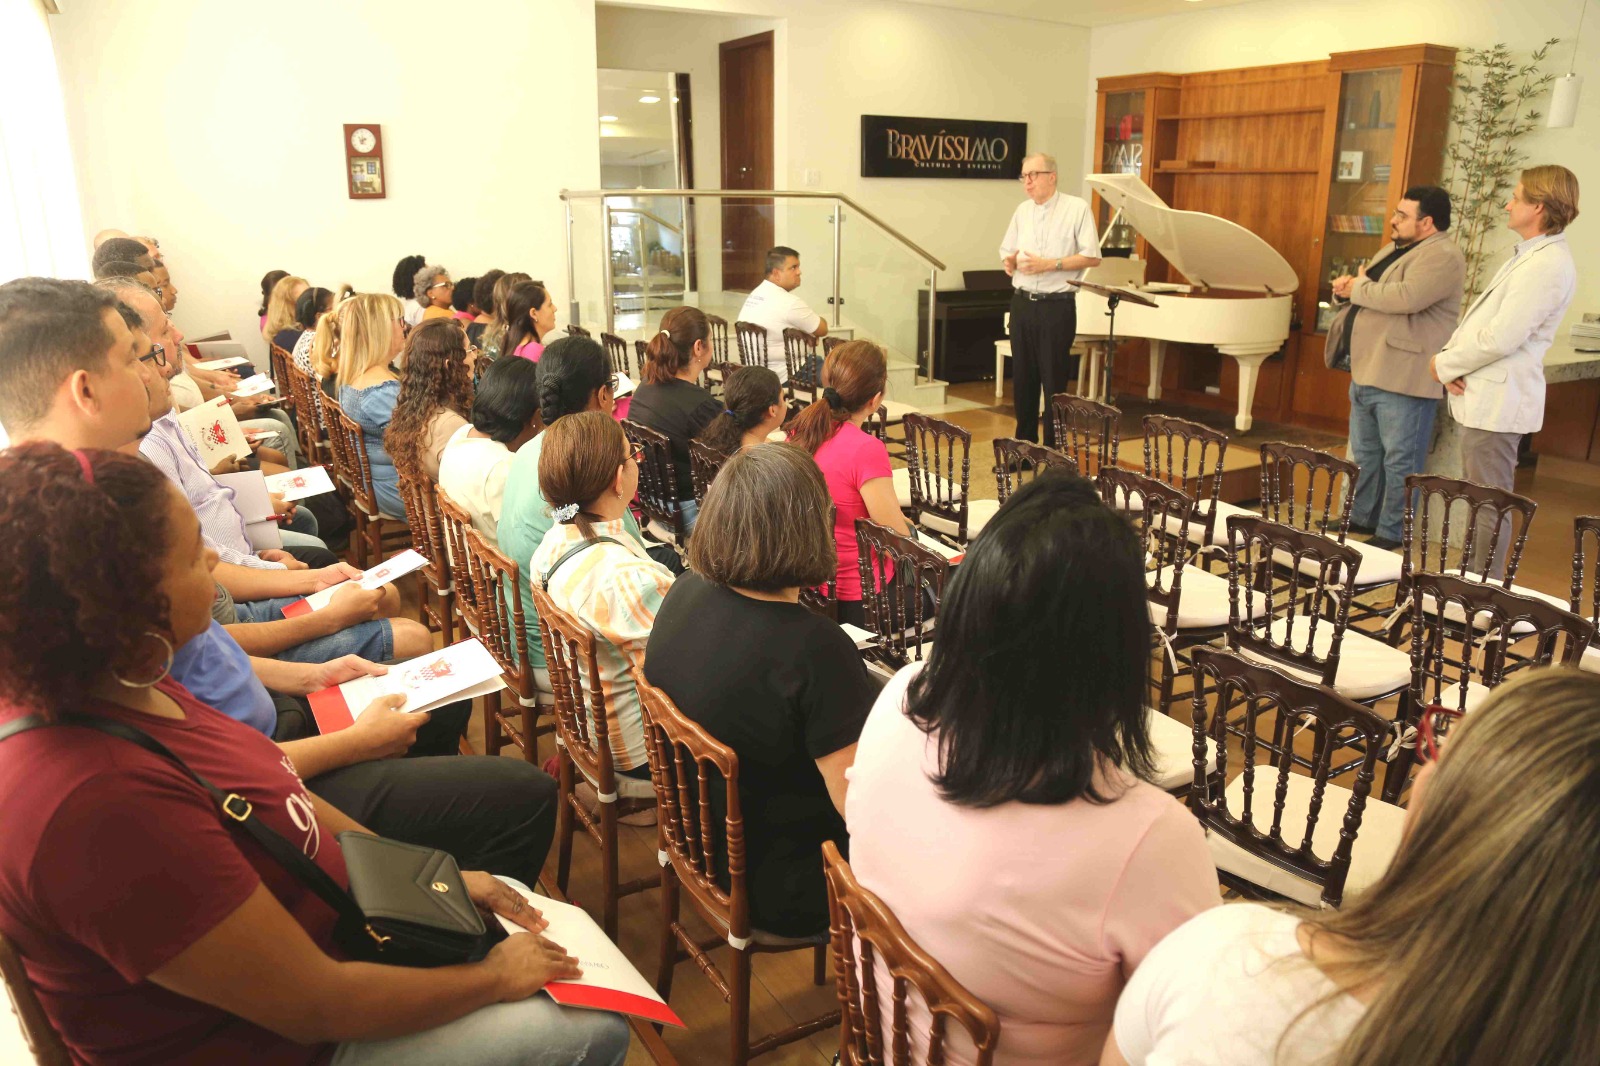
[1212, 253]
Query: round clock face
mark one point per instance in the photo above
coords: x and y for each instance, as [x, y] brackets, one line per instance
[363, 139]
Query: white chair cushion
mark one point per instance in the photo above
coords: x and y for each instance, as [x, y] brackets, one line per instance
[1590, 660]
[1202, 602]
[660, 532]
[894, 411]
[1219, 529]
[1367, 668]
[1172, 751]
[1370, 854]
[1454, 613]
[628, 788]
[1378, 567]
[901, 479]
[978, 514]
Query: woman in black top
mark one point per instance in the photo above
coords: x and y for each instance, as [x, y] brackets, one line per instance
[783, 687]
[669, 400]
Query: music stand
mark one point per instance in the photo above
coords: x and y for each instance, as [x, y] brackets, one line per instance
[1113, 296]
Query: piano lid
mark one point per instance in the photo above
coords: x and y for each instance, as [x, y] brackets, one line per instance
[1206, 249]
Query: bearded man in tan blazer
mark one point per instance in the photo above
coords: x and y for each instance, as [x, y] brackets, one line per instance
[1406, 302]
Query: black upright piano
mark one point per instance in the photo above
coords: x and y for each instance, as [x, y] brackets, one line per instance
[967, 322]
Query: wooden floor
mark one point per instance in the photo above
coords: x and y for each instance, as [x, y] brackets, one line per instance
[782, 992]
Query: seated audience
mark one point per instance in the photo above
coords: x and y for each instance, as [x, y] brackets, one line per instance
[494, 333]
[403, 283]
[483, 300]
[792, 700]
[308, 311]
[671, 399]
[1476, 946]
[1022, 745]
[476, 462]
[530, 318]
[127, 268]
[465, 311]
[755, 408]
[121, 251]
[595, 569]
[855, 462]
[434, 392]
[281, 325]
[166, 288]
[774, 306]
[269, 281]
[574, 376]
[367, 335]
[153, 931]
[433, 290]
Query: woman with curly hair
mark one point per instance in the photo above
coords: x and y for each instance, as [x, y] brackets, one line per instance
[434, 291]
[158, 932]
[402, 282]
[434, 398]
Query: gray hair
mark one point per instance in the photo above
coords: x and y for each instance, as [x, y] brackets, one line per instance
[1048, 160]
[122, 286]
[424, 278]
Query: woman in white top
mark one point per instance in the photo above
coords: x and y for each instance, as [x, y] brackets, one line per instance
[1478, 947]
[505, 416]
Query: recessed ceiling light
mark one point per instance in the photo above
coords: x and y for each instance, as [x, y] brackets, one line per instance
[649, 99]
[608, 118]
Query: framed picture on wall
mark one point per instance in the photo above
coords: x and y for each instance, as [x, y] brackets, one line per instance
[1350, 166]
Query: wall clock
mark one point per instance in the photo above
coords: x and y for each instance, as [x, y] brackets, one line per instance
[363, 159]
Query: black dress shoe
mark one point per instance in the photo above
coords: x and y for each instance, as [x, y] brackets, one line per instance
[1383, 542]
[1365, 531]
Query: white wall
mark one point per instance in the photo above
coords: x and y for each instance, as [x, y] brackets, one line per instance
[1296, 30]
[231, 151]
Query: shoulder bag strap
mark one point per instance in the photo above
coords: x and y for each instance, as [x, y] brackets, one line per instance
[237, 809]
[582, 545]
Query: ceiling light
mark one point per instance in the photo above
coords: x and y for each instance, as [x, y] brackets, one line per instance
[648, 99]
[608, 118]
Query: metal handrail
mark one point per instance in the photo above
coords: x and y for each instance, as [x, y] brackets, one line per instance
[651, 215]
[840, 199]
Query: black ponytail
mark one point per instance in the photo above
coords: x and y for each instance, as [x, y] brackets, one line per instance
[570, 371]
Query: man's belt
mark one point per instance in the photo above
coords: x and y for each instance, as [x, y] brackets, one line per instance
[1038, 296]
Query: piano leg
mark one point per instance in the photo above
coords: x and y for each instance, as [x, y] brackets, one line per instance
[1158, 360]
[1249, 374]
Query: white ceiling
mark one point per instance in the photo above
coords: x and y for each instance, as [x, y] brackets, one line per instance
[1083, 12]
[642, 133]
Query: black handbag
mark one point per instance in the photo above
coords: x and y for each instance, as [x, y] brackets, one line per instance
[410, 905]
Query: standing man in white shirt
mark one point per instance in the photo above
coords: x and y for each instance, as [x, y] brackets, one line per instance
[1050, 242]
[1493, 365]
[773, 305]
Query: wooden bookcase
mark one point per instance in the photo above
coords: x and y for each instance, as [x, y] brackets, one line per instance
[1261, 146]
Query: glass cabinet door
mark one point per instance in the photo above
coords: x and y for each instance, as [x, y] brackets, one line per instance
[1121, 152]
[1358, 196]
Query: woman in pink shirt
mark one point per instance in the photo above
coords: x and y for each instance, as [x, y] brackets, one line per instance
[530, 318]
[998, 804]
[854, 462]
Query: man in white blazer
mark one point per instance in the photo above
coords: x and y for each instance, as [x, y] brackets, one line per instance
[1493, 365]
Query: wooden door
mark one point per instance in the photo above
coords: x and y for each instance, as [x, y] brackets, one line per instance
[746, 94]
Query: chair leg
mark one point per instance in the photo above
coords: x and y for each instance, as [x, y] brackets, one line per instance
[608, 868]
[819, 965]
[446, 621]
[739, 1007]
[564, 824]
[668, 958]
[492, 738]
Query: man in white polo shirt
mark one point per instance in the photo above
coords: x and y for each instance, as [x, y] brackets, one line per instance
[773, 305]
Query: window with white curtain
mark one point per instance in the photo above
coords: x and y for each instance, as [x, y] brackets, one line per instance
[41, 224]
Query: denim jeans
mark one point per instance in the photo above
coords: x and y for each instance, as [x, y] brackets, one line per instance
[373, 641]
[1389, 437]
[531, 1032]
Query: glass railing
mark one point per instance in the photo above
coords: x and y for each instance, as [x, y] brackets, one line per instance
[632, 254]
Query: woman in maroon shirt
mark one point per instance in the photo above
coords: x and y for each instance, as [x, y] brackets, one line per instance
[151, 931]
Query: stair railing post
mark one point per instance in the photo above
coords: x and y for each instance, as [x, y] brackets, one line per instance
[838, 215]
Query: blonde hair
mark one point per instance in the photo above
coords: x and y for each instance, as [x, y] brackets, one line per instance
[280, 306]
[1555, 188]
[355, 336]
[1483, 934]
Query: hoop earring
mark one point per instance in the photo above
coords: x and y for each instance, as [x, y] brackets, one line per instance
[165, 669]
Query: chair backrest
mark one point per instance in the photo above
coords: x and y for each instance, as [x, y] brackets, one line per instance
[1019, 461]
[877, 424]
[278, 361]
[719, 338]
[617, 348]
[1307, 489]
[1441, 510]
[427, 532]
[799, 349]
[344, 463]
[1188, 456]
[456, 524]
[821, 599]
[752, 343]
[658, 480]
[1160, 514]
[366, 496]
[691, 771]
[867, 938]
[1586, 567]
[43, 1041]
[1508, 631]
[1087, 430]
[1312, 581]
[502, 622]
[896, 572]
[639, 349]
[829, 344]
[704, 464]
[1275, 708]
[308, 410]
[939, 461]
[581, 711]
[576, 330]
